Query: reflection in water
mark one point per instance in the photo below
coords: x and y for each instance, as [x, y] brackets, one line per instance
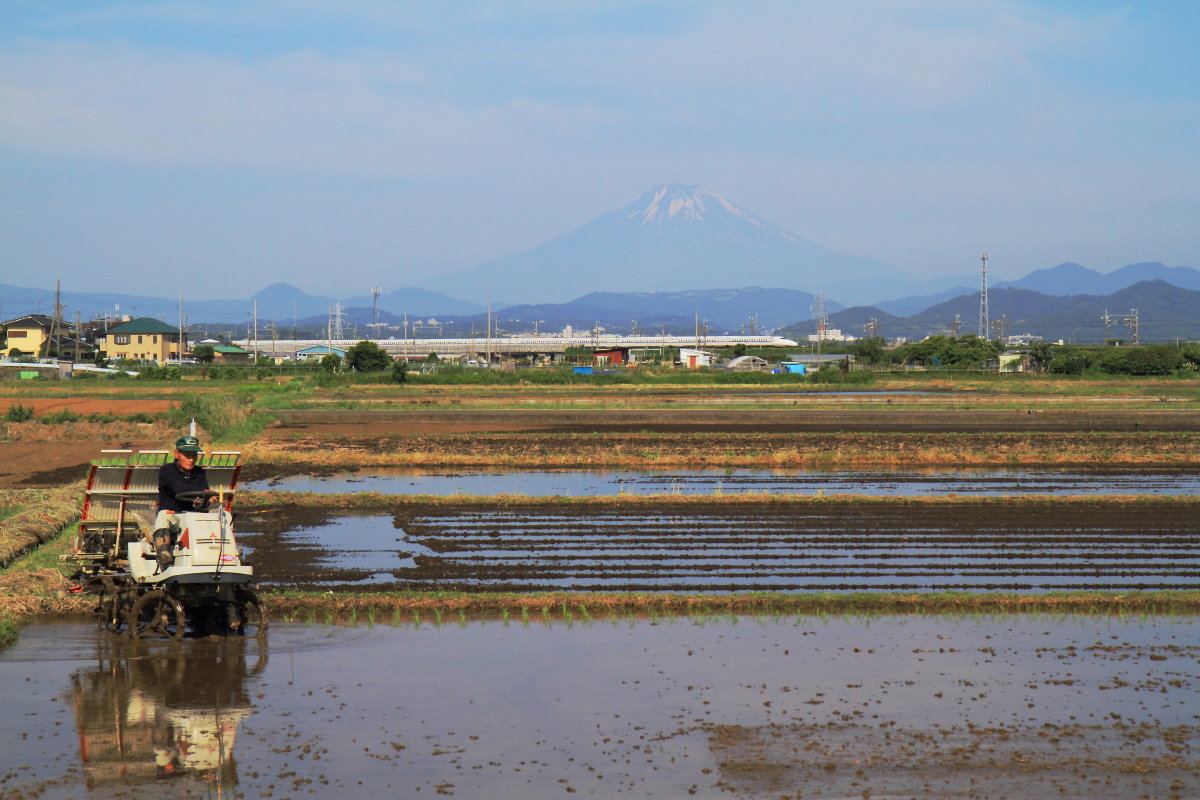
[151, 713]
[890, 481]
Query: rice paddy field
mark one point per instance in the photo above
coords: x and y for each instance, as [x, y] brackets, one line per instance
[924, 589]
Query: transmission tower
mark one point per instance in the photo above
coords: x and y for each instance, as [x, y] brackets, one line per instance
[821, 316]
[983, 301]
[956, 325]
[337, 322]
[871, 328]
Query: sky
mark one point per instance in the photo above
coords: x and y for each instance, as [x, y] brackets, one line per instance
[212, 148]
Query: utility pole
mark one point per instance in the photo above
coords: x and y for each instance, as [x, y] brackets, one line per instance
[983, 298]
[179, 340]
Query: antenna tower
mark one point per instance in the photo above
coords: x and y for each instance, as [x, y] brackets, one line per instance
[983, 301]
[375, 292]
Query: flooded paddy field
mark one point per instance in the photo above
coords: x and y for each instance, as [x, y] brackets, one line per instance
[723, 547]
[1003, 706]
[893, 481]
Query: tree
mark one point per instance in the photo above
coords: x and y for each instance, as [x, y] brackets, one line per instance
[869, 350]
[400, 371]
[204, 353]
[366, 356]
[330, 362]
[739, 349]
[1043, 353]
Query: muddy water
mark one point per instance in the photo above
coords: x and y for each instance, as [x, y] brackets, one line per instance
[683, 547]
[896, 482]
[886, 707]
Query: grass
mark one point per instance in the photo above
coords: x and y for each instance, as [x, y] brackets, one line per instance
[229, 418]
[436, 607]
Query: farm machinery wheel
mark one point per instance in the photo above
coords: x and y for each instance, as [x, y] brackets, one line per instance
[114, 600]
[157, 614]
[252, 617]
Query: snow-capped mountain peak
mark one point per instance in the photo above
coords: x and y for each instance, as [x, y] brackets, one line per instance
[679, 203]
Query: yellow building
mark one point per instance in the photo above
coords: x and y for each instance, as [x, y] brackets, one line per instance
[143, 339]
[34, 335]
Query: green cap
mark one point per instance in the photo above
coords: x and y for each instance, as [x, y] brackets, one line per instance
[188, 444]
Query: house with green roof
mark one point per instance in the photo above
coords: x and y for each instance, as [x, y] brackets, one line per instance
[230, 354]
[143, 339]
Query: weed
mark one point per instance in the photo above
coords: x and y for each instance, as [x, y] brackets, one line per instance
[18, 413]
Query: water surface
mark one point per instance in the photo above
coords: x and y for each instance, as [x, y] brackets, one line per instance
[705, 707]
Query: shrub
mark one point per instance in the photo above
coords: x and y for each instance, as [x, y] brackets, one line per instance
[18, 413]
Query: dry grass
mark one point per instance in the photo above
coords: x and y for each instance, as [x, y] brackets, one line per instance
[44, 513]
[668, 450]
[114, 431]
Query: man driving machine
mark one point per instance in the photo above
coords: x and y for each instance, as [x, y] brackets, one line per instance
[174, 478]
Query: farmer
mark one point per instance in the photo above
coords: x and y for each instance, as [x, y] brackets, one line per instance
[176, 477]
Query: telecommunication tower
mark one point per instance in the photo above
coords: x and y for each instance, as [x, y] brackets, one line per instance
[375, 292]
[983, 301]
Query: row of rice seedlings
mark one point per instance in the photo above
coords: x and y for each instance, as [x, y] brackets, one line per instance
[392, 502]
[764, 606]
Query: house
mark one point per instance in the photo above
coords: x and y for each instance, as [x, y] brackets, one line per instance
[143, 339]
[692, 359]
[34, 334]
[229, 354]
[1012, 361]
[611, 357]
[319, 351]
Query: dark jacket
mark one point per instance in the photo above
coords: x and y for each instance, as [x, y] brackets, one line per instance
[172, 481]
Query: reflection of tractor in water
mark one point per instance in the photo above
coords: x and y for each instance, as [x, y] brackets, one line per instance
[149, 715]
[203, 584]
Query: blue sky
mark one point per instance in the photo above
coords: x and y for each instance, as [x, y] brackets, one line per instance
[213, 148]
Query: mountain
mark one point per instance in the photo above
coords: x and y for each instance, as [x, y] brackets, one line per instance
[1164, 313]
[672, 237]
[281, 302]
[906, 306]
[1071, 278]
[554, 317]
[724, 309]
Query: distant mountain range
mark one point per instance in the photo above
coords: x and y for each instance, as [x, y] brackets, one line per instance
[662, 261]
[671, 237]
[1065, 279]
[1164, 312]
